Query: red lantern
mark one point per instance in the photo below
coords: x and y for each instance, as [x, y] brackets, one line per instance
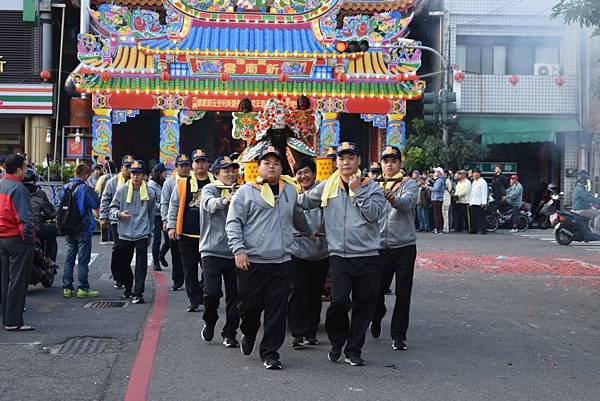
[224, 76]
[513, 80]
[341, 78]
[45, 75]
[105, 75]
[559, 80]
[1, 103]
[459, 76]
[283, 77]
[165, 76]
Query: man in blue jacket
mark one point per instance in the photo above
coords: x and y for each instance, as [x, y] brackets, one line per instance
[79, 245]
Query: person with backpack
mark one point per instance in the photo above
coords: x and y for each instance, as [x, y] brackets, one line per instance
[133, 206]
[76, 222]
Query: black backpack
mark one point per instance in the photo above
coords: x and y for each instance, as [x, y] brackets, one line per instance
[68, 218]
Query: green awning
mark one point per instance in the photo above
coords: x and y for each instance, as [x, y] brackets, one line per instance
[497, 130]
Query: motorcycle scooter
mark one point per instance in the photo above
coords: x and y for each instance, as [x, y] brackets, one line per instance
[569, 227]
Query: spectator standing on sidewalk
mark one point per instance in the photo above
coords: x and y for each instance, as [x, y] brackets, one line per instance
[463, 197]
[16, 243]
[514, 196]
[423, 204]
[79, 242]
[437, 199]
[447, 202]
[479, 199]
[499, 184]
[93, 178]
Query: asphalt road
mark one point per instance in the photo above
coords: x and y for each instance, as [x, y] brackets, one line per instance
[496, 317]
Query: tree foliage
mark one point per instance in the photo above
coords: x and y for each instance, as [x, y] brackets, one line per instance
[426, 149]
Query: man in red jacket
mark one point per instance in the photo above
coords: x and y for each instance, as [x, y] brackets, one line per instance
[16, 242]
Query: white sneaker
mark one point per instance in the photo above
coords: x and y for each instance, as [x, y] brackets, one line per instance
[514, 230]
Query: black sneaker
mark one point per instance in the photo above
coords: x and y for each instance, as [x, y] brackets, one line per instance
[355, 361]
[137, 299]
[398, 345]
[272, 364]
[389, 292]
[127, 294]
[157, 267]
[208, 332]
[334, 354]
[119, 285]
[297, 342]
[230, 342]
[176, 287]
[193, 308]
[247, 345]
[163, 261]
[311, 341]
[375, 329]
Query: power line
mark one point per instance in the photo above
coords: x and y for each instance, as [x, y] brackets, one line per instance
[493, 12]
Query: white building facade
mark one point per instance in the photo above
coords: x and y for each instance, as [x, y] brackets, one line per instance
[524, 86]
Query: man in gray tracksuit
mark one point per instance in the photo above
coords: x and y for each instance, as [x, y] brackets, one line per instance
[217, 259]
[133, 207]
[398, 247]
[107, 196]
[259, 228]
[183, 165]
[310, 263]
[351, 214]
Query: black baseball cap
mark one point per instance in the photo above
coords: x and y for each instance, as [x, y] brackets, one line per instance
[223, 162]
[199, 154]
[269, 150]
[391, 151]
[182, 159]
[349, 147]
[127, 160]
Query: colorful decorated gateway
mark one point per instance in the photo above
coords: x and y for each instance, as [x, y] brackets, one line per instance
[275, 64]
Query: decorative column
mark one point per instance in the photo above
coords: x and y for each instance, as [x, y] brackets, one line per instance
[169, 137]
[396, 131]
[102, 134]
[329, 131]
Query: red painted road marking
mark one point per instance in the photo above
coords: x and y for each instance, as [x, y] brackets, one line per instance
[143, 366]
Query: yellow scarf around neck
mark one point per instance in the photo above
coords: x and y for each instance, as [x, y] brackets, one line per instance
[391, 184]
[143, 191]
[332, 186]
[224, 191]
[194, 182]
[120, 180]
[266, 193]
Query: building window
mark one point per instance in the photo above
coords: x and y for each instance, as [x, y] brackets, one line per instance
[322, 72]
[179, 69]
[504, 55]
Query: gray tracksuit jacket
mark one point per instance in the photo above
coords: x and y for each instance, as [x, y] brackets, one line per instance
[157, 188]
[165, 196]
[139, 225]
[264, 232]
[397, 224]
[351, 223]
[308, 249]
[107, 196]
[213, 215]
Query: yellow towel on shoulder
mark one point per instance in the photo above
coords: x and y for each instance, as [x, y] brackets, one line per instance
[266, 193]
[143, 191]
[120, 180]
[194, 182]
[391, 184]
[332, 186]
[224, 191]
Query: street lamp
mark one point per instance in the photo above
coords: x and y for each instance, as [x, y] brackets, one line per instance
[77, 136]
[48, 135]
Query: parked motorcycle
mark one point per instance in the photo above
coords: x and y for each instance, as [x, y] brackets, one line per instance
[549, 207]
[501, 216]
[43, 270]
[569, 226]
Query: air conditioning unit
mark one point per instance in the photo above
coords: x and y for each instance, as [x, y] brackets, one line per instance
[544, 69]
